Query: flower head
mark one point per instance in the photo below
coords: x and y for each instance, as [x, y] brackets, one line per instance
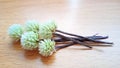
[47, 29]
[29, 40]
[44, 33]
[15, 31]
[32, 26]
[50, 25]
[46, 47]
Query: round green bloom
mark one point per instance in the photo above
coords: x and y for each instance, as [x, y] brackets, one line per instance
[46, 47]
[50, 25]
[32, 26]
[47, 29]
[44, 33]
[15, 31]
[29, 40]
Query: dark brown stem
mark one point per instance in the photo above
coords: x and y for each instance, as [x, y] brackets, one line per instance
[84, 38]
[64, 46]
[59, 39]
[97, 37]
[71, 39]
[69, 34]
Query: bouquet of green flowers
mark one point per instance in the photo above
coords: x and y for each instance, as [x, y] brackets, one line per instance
[45, 36]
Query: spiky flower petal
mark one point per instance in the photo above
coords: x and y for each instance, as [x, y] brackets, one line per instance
[46, 47]
[32, 26]
[15, 31]
[29, 40]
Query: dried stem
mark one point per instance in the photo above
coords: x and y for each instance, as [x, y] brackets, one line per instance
[71, 39]
[92, 39]
[64, 46]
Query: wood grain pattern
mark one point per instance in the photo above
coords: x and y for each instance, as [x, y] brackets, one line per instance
[84, 17]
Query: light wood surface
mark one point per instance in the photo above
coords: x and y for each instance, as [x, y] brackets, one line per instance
[83, 17]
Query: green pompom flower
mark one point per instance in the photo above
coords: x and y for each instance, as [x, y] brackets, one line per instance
[15, 31]
[46, 47]
[44, 33]
[29, 40]
[32, 26]
[47, 29]
[50, 25]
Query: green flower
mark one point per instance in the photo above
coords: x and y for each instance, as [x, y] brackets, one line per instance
[32, 26]
[15, 31]
[29, 40]
[50, 25]
[46, 47]
[44, 33]
[47, 29]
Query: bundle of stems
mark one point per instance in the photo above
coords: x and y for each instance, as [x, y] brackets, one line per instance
[61, 36]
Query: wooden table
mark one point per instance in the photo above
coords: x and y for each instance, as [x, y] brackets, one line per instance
[83, 17]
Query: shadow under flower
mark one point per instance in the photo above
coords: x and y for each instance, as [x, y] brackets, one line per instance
[16, 45]
[31, 54]
[48, 60]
